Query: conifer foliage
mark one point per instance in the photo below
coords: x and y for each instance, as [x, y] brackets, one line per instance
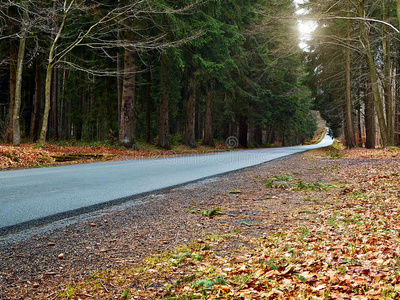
[353, 63]
[191, 71]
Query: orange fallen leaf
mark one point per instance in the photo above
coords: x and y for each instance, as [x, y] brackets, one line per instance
[222, 288]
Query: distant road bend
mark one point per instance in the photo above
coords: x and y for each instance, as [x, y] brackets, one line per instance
[37, 196]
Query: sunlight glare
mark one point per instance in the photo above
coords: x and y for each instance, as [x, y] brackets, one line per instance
[305, 27]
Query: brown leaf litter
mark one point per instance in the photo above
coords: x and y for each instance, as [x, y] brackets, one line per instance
[325, 227]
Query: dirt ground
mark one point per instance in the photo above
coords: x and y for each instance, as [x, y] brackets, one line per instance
[320, 225]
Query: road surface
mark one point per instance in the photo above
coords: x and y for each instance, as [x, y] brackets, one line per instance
[37, 196]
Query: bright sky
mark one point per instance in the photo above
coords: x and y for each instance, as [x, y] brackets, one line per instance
[305, 28]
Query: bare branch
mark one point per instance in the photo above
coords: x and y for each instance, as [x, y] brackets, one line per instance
[305, 18]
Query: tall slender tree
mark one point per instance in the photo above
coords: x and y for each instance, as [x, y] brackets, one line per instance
[350, 138]
[18, 75]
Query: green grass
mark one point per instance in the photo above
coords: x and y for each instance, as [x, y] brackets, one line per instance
[283, 182]
[235, 192]
[313, 186]
[212, 212]
[125, 294]
[207, 284]
[335, 155]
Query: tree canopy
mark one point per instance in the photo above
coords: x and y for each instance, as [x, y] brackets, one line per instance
[352, 66]
[160, 71]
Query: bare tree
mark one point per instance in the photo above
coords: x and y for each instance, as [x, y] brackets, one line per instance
[18, 76]
[68, 8]
[102, 33]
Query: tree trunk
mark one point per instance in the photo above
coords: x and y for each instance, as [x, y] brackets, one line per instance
[68, 121]
[233, 127]
[387, 82]
[79, 120]
[62, 115]
[350, 141]
[190, 139]
[397, 107]
[128, 124]
[271, 136]
[397, 120]
[359, 128]
[258, 135]
[47, 86]
[52, 61]
[119, 89]
[396, 124]
[90, 115]
[47, 97]
[198, 122]
[243, 130]
[29, 97]
[38, 99]
[398, 9]
[369, 122]
[375, 84]
[148, 107]
[13, 79]
[163, 140]
[18, 85]
[208, 122]
[377, 100]
[54, 101]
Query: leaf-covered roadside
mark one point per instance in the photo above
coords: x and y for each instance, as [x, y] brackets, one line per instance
[33, 155]
[346, 247]
[326, 228]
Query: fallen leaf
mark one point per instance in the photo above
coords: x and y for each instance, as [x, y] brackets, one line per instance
[222, 288]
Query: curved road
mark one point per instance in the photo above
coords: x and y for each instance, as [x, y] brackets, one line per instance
[36, 196]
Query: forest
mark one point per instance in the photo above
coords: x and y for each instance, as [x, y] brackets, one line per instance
[157, 72]
[195, 71]
[353, 65]
[85, 81]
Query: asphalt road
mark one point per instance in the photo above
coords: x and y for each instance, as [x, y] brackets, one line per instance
[37, 196]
